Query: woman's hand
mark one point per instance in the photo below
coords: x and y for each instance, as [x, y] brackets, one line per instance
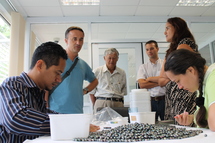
[184, 119]
[94, 128]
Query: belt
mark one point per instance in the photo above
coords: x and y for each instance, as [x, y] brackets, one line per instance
[111, 98]
[158, 98]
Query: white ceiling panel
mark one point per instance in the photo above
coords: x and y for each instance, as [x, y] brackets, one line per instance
[159, 2]
[205, 27]
[47, 28]
[202, 40]
[39, 3]
[144, 27]
[153, 10]
[117, 10]
[94, 28]
[159, 37]
[139, 35]
[213, 31]
[209, 35]
[161, 29]
[184, 11]
[94, 36]
[113, 27]
[77, 10]
[119, 2]
[47, 37]
[43, 11]
[209, 12]
[198, 36]
[111, 36]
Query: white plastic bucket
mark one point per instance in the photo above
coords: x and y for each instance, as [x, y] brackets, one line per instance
[69, 126]
[142, 117]
[142, 106]
[140, 95]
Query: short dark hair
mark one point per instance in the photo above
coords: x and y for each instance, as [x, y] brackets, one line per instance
[72, 28]
[50, 53]
[152, 41]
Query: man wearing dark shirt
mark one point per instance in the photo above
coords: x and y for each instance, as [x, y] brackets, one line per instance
[23, 112]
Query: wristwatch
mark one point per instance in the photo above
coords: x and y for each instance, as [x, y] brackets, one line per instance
[86, 90]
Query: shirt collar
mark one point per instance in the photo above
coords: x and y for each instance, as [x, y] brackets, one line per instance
[31, 84]
[105, 69]
[155, 62]
[28, 81]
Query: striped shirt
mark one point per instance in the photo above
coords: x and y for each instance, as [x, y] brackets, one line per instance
[23, 114]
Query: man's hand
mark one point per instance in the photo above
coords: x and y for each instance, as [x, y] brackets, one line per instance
[94, 128]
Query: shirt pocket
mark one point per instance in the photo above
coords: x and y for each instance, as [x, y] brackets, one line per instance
[117, 86]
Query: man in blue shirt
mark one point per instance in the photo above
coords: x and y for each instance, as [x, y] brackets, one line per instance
[68, 96]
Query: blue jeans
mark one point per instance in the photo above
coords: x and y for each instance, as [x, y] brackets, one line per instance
[159, 108]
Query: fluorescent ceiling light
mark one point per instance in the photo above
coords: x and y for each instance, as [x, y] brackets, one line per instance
[80, 2]
[195, 2]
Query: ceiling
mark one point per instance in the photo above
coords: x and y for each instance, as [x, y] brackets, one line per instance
[114, 20]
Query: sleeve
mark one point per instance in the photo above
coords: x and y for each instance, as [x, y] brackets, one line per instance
[209, 89]
[141, 73]
[96, 75]
[89, 75]
[124, 88]
[18, 116]
[189, 42]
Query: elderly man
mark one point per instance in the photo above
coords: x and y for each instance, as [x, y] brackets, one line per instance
[112, 82]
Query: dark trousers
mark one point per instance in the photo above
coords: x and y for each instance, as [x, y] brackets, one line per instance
[159, 108]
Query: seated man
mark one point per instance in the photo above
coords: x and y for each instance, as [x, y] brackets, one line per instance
[23, 113]
[112, 82]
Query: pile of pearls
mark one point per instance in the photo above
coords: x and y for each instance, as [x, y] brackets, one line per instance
[139, 132]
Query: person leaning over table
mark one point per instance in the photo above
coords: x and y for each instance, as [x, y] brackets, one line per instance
[23, 112]
[188, 70]
[112, 82]
[22, 107]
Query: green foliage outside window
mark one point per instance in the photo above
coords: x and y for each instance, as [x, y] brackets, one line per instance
[5, 30]
[4, 49]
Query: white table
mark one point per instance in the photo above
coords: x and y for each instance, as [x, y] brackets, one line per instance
[197, 139]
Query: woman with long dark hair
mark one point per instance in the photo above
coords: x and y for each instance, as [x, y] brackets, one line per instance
[177, 100]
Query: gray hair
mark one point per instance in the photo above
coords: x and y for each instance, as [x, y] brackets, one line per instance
[111, 51]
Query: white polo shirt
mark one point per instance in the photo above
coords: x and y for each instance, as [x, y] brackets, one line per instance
[150, 69]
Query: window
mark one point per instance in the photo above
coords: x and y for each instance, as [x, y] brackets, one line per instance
[213, 51]
[205, 52]
[4, 49]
